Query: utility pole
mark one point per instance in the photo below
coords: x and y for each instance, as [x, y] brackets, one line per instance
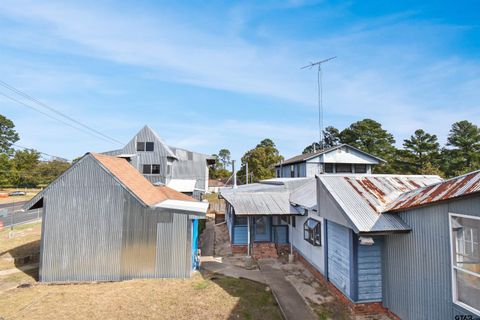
[234, 175]
[320, 96]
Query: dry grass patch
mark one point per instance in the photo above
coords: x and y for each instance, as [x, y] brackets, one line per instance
[22, 241]
[201, 297]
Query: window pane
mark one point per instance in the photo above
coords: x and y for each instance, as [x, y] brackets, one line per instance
[328, 167]
[344, 167]
[466, 252]
[155, 168]
[140, 146]
[148, 146]
[294, 223]
[147, 169]
[360, 168]
[240, 221]
[261, 225]
[468, 289]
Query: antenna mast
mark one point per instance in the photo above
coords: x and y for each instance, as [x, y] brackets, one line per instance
[320, 96]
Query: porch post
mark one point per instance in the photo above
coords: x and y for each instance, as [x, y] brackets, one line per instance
[248, 236]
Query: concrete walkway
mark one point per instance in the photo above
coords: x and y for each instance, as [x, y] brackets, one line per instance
[291, 303]
[221, 266]
[207, 238]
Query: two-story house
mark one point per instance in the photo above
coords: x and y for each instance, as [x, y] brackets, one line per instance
[182, 170]
[338, 159]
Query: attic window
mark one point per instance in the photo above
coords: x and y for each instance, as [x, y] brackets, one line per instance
[144, 146]
[360, 168]
[328, 167]
[148, 146]
[151, 169]
[344, 168]
[312, 232]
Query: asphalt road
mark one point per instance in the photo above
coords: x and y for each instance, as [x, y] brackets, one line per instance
[18, 216]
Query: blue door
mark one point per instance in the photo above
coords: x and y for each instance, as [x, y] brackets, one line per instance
[262, 228]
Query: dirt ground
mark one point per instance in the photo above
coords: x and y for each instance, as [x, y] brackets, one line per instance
[204, 296]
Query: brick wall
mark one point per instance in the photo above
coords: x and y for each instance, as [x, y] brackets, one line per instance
[236, 249]
[372, 308]
[264, 250]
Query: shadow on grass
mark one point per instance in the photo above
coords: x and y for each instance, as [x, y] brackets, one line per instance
[24, 255]
[256, 301]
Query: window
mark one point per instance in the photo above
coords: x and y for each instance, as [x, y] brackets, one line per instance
[148, 146]
[344, 168]
[144, 146]
[140, 146]
[284, 219]
[465, 246]
[312, 232]
[155, 169]
[360, 168]
[294, 223]
[151, 169]
[147, 169]
[240, 221]
[278, 173]
[328, 167]
[292, 171]
[190, 155]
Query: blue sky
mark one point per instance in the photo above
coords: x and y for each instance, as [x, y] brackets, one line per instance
[208, 75]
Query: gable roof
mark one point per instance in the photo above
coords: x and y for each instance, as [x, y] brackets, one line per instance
[137, 183]
[134, 182]
[308, 156]
[363, 198]
[464, 185]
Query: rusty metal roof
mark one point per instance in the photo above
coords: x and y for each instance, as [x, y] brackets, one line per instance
[364, 197]
[452, 188]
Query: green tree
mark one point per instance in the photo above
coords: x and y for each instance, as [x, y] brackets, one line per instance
[369, 136]
[24, 167]
[49, 171]
[420, 154]
[8, 135]
[5, 170]
[331, 138]
[261, 161]
[217, 170]
[464, 153]
[224, 158]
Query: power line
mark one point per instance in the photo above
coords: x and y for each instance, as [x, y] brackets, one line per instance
[50, 116]
[46, 154]
[29, 97]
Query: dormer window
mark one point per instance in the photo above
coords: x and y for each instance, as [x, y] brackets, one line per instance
[145, 146]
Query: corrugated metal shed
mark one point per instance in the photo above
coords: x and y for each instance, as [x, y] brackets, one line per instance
[364, 197]
[449, 189]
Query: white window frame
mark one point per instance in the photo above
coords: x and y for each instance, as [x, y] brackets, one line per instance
[454, 268]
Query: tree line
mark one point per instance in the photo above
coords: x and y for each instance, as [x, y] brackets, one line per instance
[421, 153]
[23, 168]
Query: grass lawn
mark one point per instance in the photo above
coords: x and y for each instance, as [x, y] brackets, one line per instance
[204, 296]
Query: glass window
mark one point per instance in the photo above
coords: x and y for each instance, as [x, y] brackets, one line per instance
[148, 146]
[140, 146]
[155, 169]
[147, 169]
[360, 168]
[344, 168]
[261, 225]
[292, 171]
[240, 221]
[328, 167]
[312, 232]
[294, 223]
[466, 261]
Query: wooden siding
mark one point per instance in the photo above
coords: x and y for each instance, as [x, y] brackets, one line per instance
[417, 267]
[369, 271]
[339, 253]
[313, 254]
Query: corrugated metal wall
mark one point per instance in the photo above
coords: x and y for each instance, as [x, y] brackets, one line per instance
[369, 271]
[191, 165]
[93, 229]
[80, 232]
[417, 266]
[339, 252]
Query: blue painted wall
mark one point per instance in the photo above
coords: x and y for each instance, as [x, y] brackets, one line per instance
[194, 244]
[369, 271]
[339, 253]
[240, 235]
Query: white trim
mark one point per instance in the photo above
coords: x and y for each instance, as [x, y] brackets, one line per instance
[191, 206]
[453, 267]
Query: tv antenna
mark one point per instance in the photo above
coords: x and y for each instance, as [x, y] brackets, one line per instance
[320, 96]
